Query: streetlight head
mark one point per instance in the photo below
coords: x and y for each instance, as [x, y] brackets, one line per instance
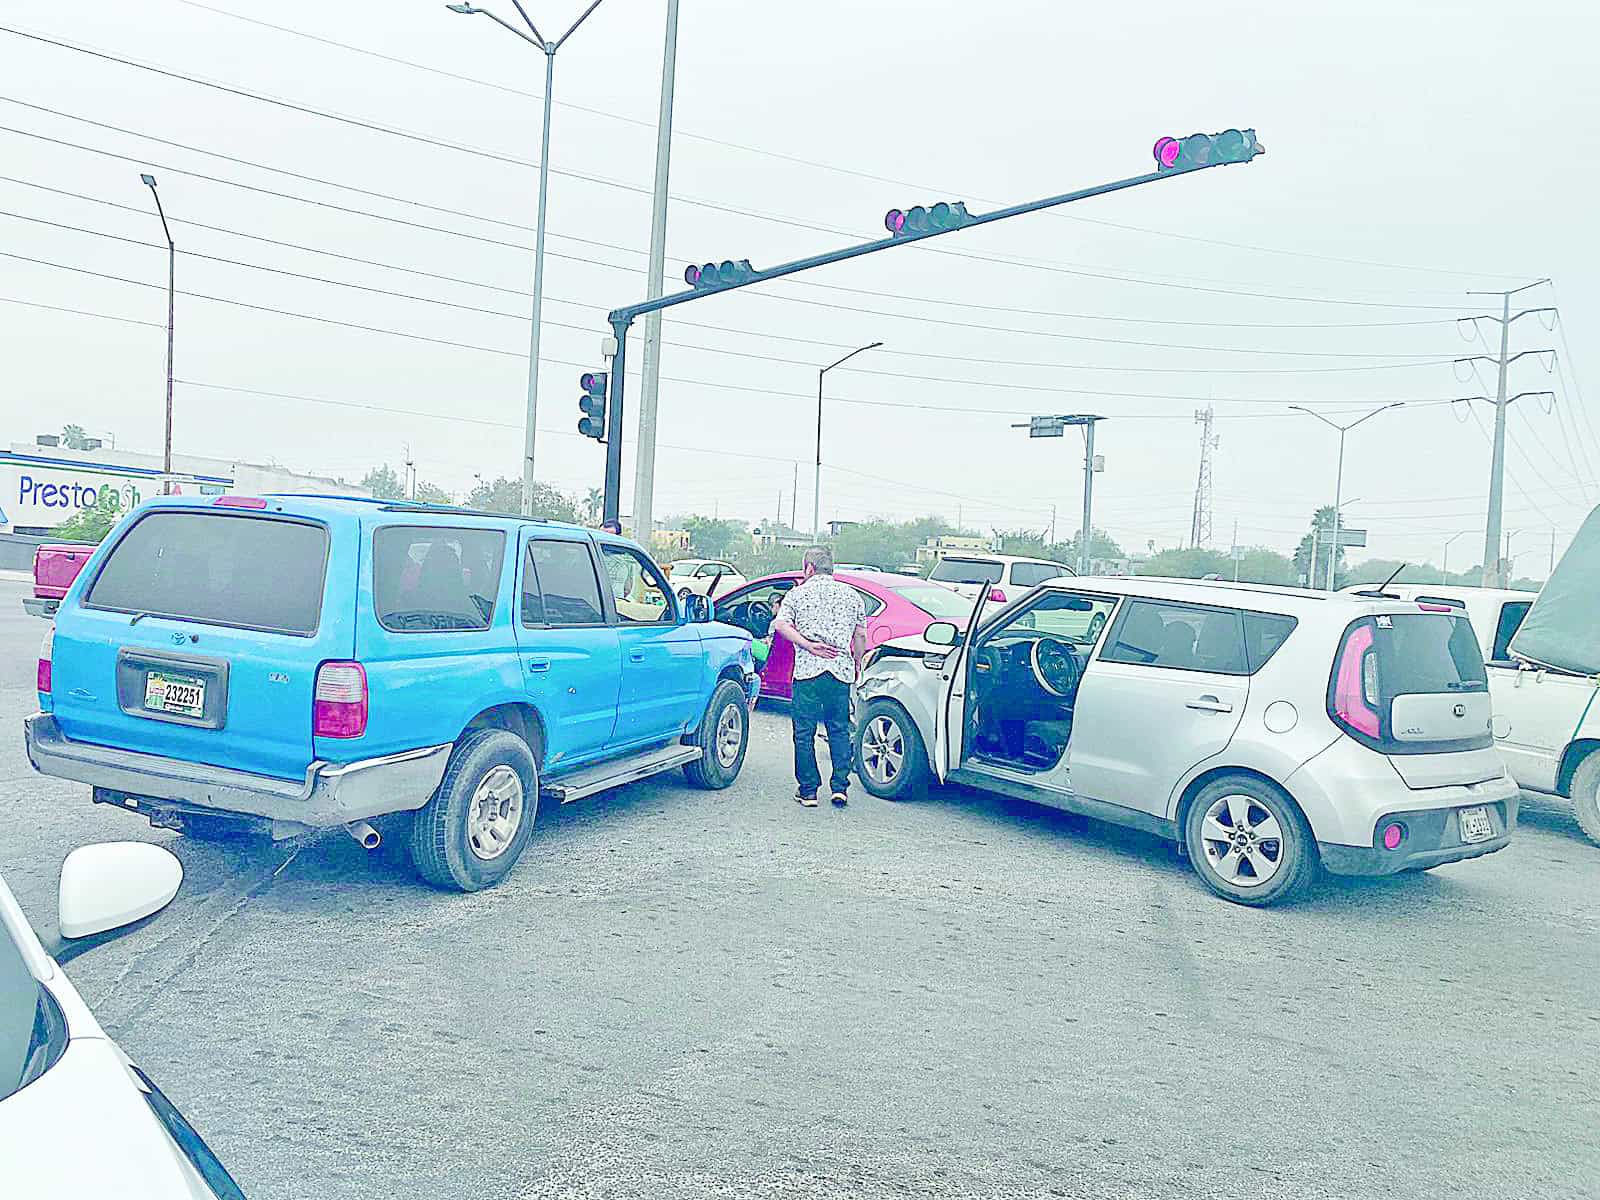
[148, 180]
[464, 9]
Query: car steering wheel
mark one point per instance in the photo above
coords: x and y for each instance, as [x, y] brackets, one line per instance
[1055, 666]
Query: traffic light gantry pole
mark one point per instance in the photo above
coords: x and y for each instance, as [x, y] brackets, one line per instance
[1173, 157]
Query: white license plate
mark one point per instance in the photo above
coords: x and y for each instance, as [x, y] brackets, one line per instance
[1475, 825]
[183, 695]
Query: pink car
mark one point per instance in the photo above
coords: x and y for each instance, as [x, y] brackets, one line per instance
[897, 606]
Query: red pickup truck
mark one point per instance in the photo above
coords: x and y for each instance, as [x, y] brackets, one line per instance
[55, 566]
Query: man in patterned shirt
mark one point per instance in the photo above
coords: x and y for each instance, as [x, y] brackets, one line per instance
[827, 622]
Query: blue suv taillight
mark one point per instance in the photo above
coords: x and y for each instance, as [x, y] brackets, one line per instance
[339, 707]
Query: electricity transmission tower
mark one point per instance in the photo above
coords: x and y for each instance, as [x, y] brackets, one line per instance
[1200, 525]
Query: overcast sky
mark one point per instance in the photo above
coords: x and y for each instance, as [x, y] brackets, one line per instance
[1415, 151]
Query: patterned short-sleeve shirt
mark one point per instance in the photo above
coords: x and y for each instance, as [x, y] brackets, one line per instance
[824, 610]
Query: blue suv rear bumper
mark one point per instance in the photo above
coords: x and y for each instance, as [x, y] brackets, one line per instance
[331, 793]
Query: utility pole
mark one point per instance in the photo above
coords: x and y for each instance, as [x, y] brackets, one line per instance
[1200, 524]
[411, 475]
[1085, 537]
[816, 487]
[1444, 565]
[1235, 552]
[794, 497]
[644, 473]
[549, 49]
[1552, 553]
[1052, 524]
[1494, 572]
[172, 282]
[1338, 480]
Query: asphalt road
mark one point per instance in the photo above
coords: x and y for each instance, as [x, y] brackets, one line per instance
[682, 993]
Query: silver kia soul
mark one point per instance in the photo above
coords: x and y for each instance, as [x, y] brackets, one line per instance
[1270, 731]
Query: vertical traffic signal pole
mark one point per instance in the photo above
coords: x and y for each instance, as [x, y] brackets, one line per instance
[1198, 152]
[612, 506]
[1088, 495]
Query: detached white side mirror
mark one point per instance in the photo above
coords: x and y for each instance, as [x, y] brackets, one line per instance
[113, 884]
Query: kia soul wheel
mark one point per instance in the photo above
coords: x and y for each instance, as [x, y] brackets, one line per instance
[1248, 841]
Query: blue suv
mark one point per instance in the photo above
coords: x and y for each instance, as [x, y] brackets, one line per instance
[290, 663]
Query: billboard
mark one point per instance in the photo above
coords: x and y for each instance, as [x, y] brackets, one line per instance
[40, 493]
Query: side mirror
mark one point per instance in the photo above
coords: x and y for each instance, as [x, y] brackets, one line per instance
[698, 608]
[109, 888]
[941, 633]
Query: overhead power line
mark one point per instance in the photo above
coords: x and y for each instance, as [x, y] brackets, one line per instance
[819, 165]
[696, 201]
[1008, 361]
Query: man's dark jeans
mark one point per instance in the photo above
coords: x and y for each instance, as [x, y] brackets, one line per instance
[824, 699]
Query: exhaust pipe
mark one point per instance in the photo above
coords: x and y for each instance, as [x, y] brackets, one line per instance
[365, 835]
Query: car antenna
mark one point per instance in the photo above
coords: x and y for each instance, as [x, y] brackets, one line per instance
[1393, 577]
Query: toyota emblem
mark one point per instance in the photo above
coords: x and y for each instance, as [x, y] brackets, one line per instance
[1460, 710]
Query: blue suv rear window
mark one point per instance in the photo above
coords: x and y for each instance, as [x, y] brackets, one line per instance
[220, 568]
[436, 579]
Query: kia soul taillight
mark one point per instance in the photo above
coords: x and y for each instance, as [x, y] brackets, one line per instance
[1355, 683]
[339, 707]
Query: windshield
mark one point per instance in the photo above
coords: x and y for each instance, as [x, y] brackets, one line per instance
[939, 603]
[967, 570]
[33, 1032]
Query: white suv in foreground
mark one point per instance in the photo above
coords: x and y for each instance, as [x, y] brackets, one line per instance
[1267, 730]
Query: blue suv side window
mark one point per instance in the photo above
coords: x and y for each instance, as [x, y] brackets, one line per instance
[640, 591]
[436, 579]
[559, 587]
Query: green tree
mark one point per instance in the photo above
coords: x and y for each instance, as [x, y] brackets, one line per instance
[713, 538]
[1257, 564]
[74, 437]
[384, 483]
[92, 524]
[505, 496]
[432, 493]
[1321, 536]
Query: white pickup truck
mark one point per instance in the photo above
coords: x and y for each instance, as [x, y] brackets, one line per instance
[1546, 720]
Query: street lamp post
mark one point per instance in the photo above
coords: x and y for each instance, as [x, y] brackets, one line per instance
[1338, 481]
[172, 278]
[534, 38]
[816, 487]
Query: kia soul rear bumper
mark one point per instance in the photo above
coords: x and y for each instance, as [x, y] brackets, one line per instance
[331, 793]
[1432, 836]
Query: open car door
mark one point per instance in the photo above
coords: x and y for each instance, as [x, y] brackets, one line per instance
[951, 715]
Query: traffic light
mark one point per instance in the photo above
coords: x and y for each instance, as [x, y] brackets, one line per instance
[711, 276]
[1207, 150]
[593, 406]
[930, 219]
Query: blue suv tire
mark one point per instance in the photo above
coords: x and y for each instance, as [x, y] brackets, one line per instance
[723, 738]
[473, 830]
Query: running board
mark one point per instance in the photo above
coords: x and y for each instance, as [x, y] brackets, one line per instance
[618, 772]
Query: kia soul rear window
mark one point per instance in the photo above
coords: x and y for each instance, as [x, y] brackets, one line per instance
[218, 568]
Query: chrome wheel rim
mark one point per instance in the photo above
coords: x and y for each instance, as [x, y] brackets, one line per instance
[883, 750]
[494, 814]
[730, 735]
[1243, 841]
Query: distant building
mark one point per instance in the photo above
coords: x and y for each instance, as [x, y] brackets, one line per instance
[936, 548]
[670, 541]
[766, 539]
[43, 485]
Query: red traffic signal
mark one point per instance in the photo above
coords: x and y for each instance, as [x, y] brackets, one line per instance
[1206, 150]
[592, 404]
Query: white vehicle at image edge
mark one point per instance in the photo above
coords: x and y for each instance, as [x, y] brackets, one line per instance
[703, 577]
[77, 1118]
[1546, 721]
[1271, 732]
[1001, 577]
